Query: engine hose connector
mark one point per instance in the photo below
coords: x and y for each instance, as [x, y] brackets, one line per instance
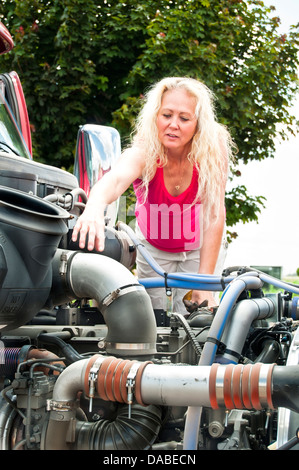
[241, 386]
[114, 379]
[230, 386]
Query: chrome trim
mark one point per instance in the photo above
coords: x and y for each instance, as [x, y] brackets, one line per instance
[263, 380]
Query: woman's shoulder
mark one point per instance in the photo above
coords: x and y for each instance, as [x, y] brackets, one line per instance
[137, 155]
[135, 152]
[134, 157]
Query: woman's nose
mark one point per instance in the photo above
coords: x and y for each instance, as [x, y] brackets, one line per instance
[174, 123]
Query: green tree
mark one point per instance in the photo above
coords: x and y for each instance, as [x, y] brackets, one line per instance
[91, 60]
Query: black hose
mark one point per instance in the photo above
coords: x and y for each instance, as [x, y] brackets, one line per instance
[291, 443]
[113, 247]
[270, 352]
[189, 332]
[137, 432]
[67, 350]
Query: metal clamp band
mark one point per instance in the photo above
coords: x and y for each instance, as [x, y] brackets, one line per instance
[54, 405]
[92, 377]
[130, 383]
[119, 292]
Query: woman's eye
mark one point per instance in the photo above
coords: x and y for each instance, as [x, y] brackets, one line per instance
[169, 116]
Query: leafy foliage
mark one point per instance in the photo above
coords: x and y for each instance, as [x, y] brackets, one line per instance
[91, 60]
[237, 201]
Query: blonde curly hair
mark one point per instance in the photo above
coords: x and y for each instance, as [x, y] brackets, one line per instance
[212, 146]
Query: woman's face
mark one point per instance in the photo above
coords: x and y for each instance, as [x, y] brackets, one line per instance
[176, 121]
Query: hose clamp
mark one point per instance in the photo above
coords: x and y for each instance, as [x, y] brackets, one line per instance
[119, 292]
[63, 263]
[61, 406]
[92, 377]
[265, 385]
[130, 384]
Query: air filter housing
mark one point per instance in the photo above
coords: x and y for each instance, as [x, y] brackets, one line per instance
[30, 231]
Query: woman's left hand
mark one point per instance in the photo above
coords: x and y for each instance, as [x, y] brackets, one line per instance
[199, 297]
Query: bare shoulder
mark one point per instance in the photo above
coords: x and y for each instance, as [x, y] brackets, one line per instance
[134, 158]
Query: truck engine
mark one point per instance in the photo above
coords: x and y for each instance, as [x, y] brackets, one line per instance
[87, 365]
[85, 361]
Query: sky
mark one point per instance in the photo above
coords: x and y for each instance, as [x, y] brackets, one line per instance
[274, 240]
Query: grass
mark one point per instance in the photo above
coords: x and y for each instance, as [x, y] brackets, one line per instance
[269, 289]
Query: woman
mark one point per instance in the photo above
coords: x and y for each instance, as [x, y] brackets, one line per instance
[178, 164]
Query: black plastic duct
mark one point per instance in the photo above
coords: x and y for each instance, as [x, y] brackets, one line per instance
[118, 246]
[137, 432]
[30, 231]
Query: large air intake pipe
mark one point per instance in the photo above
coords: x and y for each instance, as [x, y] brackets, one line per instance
[30, 231]
[118, 246]
[233, 386]
[244, 313]
[251, 386]
[123, 302]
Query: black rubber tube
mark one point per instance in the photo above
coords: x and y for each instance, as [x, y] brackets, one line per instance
[67, 350]
[137, 432]
[290, 443]
[269, 353]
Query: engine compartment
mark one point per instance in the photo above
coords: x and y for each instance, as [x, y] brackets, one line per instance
[86, 363]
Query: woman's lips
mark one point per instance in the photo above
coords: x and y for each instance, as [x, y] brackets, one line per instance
[172, 136]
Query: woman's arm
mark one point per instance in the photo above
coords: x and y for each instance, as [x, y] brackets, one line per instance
[211, 240]
[209, 252]
[111, 186]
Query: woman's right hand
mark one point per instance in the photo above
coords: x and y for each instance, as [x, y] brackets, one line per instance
[90, 224]
[111, 186]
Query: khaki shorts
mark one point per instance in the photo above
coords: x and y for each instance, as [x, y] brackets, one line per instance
[187, 262]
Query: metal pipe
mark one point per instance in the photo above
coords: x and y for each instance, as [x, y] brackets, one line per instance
[223, 314]
[287, 421]
[232, 386]
[123, 302]
[116, 434]
[243, 315]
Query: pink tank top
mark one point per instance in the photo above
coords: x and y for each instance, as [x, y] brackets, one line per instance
[169, 223]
